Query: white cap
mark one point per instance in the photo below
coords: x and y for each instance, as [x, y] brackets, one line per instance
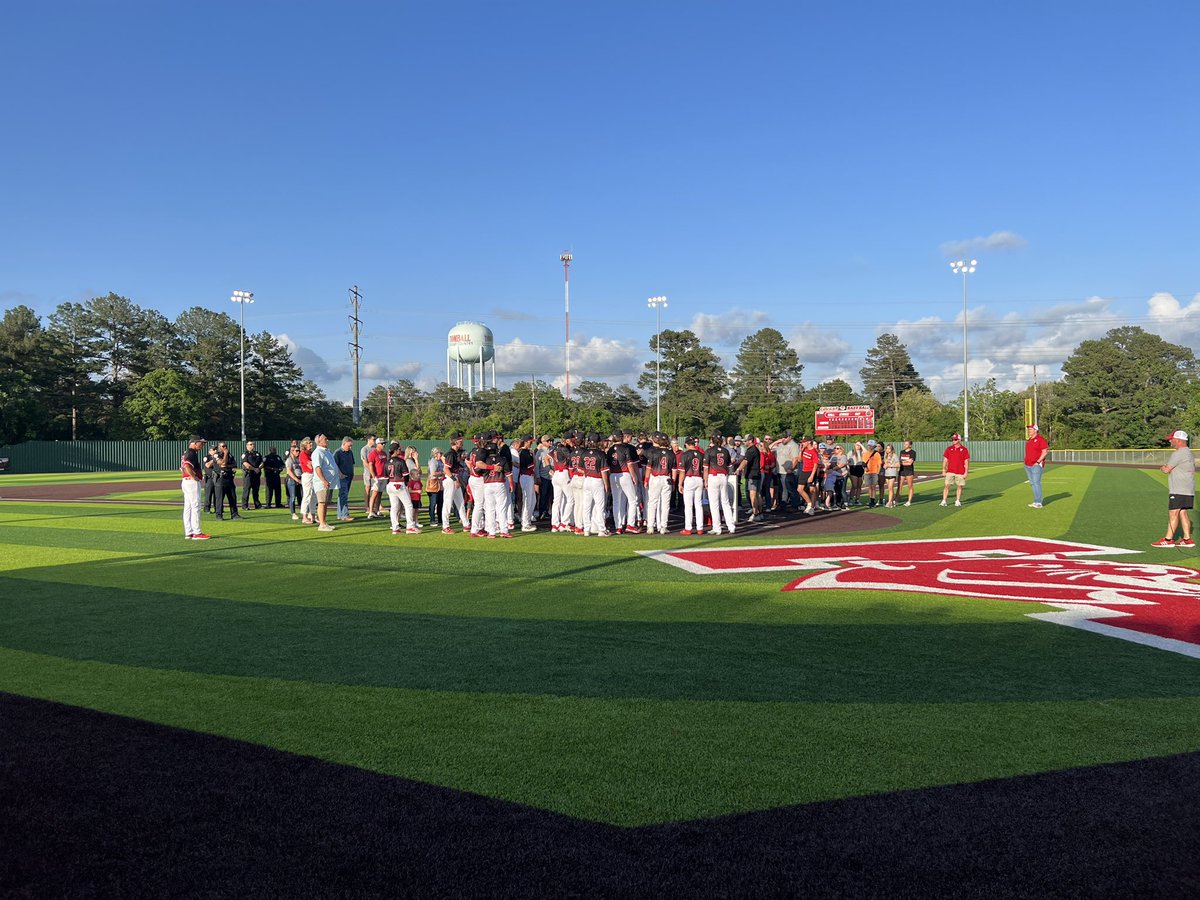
[1177, 436]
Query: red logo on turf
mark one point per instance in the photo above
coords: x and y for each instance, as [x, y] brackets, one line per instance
[1149, 604]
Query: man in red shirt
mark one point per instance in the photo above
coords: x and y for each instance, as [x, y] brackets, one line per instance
[1036, 449]
[955, 463]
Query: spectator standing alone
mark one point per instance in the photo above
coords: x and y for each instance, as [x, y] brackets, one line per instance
[1036, 449]
[956, 461]
[1181, 491]
[344, 458]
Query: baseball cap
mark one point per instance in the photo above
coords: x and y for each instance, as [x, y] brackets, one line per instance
[394, 445]
[955, 437]
[821, 446]
[872, 443]
[456, 436]
[1177, 436]
[1034, 427]
[195, 438]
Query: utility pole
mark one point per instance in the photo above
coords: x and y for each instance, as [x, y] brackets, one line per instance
[355, 348]
[1035, 411]
[565, 259]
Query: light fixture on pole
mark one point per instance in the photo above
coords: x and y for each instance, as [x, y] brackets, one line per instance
[241, 298]
[961, 266]
[657, 304]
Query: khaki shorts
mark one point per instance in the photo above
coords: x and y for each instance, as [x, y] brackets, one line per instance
[322, 495]
[958, 480]
[379, 484]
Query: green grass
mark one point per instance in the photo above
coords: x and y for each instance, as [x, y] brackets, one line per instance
[581, 677]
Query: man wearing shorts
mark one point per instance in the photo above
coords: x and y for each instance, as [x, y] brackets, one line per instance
[1181, 491]
[955, 463]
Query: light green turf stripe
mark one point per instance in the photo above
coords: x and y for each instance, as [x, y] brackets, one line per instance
[628, 762]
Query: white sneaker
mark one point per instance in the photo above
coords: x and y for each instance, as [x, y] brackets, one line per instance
[717, 531]
[908, 503]
[956, 503]
[529, 528]
[943, 503]
[1035, 506]
[325, 528]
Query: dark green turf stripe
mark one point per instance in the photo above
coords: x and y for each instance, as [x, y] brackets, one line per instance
[862, 662]
[1124, 507]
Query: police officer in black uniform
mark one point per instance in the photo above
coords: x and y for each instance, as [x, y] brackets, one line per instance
[252, 465]
[273, 470]
[212, 477]
[226, 492]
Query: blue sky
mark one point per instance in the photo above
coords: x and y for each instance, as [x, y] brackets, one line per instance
[812, 167]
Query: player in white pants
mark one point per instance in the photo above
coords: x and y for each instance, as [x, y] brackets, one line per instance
[720, 503]
[495, 502]
[452, 499]
[189, 468]
[562, 510]
[658, 503]
[398, 496]
[693, 503]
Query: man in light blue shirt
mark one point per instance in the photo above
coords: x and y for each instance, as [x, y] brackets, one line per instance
[325, 479]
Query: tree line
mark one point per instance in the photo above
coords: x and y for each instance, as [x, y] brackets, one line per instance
[109, 369]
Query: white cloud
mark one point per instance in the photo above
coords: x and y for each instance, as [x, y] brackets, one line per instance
[1174, 321]
[997, 240]
[817, 345]
[592, 359]
[728, 328]
[311, 363]
[390, 371]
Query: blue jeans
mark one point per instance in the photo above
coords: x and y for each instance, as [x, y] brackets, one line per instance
[1035, 481]
[344, 496]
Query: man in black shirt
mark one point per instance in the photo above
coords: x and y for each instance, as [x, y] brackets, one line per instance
[189, 469]
[526, 472]
[252, 463]
[225, 488]
[593, 470]
[751, 467]
[212, 479]
[452, 486]
[272, 471]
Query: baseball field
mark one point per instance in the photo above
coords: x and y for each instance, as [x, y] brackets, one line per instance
[989, 698]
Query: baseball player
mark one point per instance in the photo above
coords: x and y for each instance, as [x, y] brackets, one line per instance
[397, 491]
[660, 464]
[562, 511]
[189, 469]
[452, 490]
[691, 485]
[718, 463]
[593, 472]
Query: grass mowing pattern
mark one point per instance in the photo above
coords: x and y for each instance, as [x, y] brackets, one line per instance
[576, 676]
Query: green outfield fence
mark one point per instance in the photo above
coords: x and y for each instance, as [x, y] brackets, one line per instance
[44, 457]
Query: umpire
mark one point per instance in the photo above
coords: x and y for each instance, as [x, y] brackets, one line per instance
[252, 463]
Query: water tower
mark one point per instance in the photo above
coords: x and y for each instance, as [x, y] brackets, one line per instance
[468, 345]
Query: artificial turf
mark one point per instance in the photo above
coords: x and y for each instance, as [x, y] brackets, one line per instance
[575, 675]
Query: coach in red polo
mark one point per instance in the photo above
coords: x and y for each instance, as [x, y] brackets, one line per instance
[955, 462]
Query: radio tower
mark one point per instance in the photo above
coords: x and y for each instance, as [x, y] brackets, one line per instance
[355, 348]
[566, 261]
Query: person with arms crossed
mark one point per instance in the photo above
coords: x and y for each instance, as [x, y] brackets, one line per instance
[956, 461]
[1036, 450]
[273, 470]
[1181, 491]
[252, 466]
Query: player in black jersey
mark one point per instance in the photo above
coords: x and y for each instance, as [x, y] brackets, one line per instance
[593, 470]
[691, 485]
[718, 464]
[452, 485]
[660, 467]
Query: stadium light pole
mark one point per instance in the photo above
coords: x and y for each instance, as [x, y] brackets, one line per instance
[565, 259]
[241, 298]
[961, 266]
[657, 304]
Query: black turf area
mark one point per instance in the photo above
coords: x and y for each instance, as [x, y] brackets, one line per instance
[98, 805]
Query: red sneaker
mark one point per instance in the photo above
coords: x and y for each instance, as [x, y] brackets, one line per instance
[505, 534]
[629, 529]
[579, 531]
[686, 531]
[1165, 542]
[1186, 542]
[447, 531]
[201, 537]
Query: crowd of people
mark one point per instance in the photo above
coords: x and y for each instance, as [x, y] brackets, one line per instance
[583, 483]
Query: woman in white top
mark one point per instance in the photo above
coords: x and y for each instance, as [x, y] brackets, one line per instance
[891, 473]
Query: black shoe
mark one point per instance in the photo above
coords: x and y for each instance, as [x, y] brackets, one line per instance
[256, 506]
[222, 518]
[237, 517]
